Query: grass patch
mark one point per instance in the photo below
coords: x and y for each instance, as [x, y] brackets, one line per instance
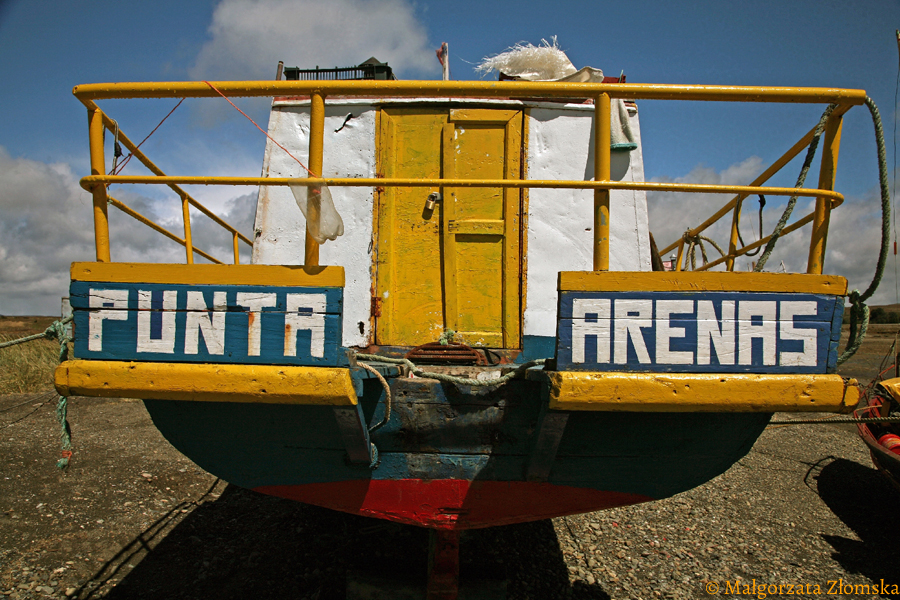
[27, 367]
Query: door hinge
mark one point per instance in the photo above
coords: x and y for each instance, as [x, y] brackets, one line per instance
[376, 306]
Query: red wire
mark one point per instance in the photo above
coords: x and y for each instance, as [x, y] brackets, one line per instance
[130, 154]
[261, 129]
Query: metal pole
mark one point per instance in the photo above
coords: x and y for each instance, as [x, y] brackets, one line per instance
[601, 173]
[830, 146]
[186, 217]
[316, 140]
[96, 132]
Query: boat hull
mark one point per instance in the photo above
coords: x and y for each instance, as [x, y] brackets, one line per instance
[458, 460]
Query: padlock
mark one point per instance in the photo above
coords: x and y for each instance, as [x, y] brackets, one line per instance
[432, 198]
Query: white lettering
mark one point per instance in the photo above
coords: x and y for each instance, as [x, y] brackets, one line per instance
[582, 328]
[665, 332]
[166, 343]
[808, 357]
[211, 325]
[255, 302]
[117, 312]
[631, 316]
[313, 321]
[710, 334]
[764, 330]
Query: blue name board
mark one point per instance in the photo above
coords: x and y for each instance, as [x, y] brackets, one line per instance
[697, 332]
[207, 323]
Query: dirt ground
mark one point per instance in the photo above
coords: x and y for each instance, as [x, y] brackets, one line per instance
[133, 518]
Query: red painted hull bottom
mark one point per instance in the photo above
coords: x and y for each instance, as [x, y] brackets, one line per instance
[453, 503]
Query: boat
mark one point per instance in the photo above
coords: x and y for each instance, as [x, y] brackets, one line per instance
[487, 342]
[882, 438]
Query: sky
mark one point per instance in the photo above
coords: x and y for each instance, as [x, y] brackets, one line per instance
[46, 48]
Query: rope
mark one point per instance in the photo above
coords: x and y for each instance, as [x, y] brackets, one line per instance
[56, 330]
[227, 99]
[452, 378]
[858, 310]
[762, 205]
[387, 396]
[801, 179]
[696, 241]
[130, 154]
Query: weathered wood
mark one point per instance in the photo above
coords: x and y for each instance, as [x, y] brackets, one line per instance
[354, 433]
[700, 392]
[686, 281]
[265, 384]
[207, 323]
[697, 332]
[269, 275]
[549, 432]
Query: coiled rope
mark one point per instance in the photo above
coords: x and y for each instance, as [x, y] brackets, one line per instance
[57, 331]
[453, 378]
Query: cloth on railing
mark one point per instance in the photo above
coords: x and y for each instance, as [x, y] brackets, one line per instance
[620, 133]
[547, 62]
[317, 200]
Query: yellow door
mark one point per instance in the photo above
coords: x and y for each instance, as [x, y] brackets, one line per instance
[456, 267]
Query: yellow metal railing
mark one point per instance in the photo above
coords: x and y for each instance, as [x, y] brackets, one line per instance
[98, 122]
[827, 199]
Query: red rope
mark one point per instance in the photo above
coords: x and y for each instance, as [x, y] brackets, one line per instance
[130, 154]
[261, 129]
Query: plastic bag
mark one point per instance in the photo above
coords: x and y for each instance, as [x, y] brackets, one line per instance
[316, 200]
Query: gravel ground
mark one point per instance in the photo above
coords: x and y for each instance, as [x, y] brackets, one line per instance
[132, 518]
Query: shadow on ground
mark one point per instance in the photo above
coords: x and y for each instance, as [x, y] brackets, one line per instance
[248, 545]
[868, 504]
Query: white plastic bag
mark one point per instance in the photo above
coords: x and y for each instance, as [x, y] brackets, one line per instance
[316, 200]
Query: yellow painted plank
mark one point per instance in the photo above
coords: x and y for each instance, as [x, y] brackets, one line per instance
[275, 275]
[477, 226]
[668, 281]
[700, 392]
[409, 254]
[266, 384]
[484, 115]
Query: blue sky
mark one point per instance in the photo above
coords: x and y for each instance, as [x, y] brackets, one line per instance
[48, 47]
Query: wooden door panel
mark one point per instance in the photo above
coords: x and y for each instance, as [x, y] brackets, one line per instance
[458, 266]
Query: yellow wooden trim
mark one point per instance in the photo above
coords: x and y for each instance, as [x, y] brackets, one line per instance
[448, 214]
[686, 281]
[482, 115]
[477, 226]
[523, 223]
[264, 384]
[700, 392]
[512, 256]
[273, 275]
[385, 137]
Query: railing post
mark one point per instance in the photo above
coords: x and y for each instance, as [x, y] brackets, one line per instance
[237, 250]
[186, 217]
[733, 241]
[96, 131]
[601, 173]
[830, 146]
[316, 139]
[677, 265]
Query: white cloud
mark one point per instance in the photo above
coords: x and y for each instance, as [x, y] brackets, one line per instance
[46, 223]
[249, 37]
[854, 235]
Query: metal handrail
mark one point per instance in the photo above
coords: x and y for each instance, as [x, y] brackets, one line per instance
[600, 93]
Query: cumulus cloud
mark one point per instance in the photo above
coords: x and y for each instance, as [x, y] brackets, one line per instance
[249, 37]
[854, 236]
[46, 223]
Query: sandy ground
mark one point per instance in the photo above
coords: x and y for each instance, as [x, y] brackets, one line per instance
[132, 518]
